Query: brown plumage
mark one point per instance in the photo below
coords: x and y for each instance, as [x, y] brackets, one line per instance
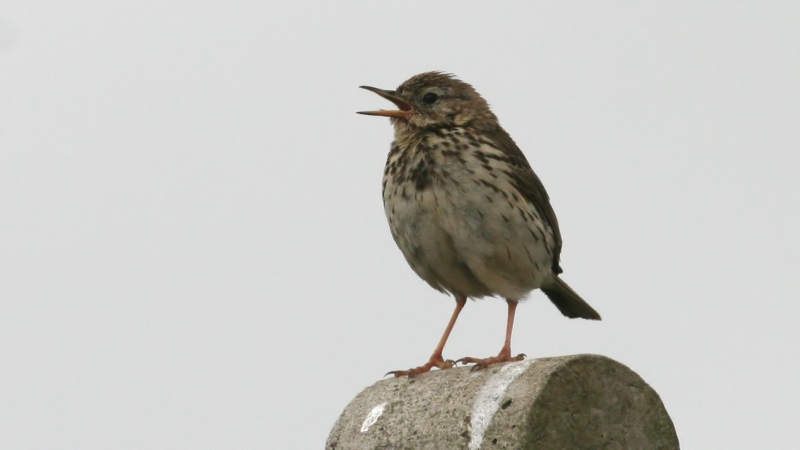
[465, 207]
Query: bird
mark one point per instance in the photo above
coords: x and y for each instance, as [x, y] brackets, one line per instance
[466, 209]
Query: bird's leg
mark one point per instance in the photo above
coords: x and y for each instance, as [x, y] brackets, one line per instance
[505, 352]
[436, 359]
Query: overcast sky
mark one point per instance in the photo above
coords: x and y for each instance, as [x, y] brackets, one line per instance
[193, 249]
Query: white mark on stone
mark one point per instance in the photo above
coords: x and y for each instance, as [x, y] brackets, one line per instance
[372, 417]
[488, 400]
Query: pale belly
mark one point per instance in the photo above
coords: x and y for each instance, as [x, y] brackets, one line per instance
[469, 239]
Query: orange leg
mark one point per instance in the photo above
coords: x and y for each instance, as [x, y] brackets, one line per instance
[436, 359]
[505, 352]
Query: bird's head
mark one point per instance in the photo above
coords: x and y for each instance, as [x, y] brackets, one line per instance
[434, 100]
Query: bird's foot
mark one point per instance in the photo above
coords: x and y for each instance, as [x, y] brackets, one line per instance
[486, 362]
[435, 361]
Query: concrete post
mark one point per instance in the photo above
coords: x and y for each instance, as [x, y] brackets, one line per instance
[566, 402]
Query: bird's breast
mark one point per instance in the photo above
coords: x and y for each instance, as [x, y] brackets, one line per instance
[452, 208]
[458, 182]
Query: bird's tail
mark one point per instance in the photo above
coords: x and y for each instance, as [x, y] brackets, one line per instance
[568, 301]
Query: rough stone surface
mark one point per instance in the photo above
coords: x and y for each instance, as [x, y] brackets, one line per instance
[567, 402]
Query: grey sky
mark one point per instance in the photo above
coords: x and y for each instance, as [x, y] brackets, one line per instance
[193, 251]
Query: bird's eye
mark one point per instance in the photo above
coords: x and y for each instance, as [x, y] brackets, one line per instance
[430, 98]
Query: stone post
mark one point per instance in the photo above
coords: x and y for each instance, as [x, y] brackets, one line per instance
[566, 402]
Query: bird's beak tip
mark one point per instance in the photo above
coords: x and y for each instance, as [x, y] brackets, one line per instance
[387, 113]
[405, 108]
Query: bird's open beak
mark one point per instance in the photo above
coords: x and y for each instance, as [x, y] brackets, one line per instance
[405, 109]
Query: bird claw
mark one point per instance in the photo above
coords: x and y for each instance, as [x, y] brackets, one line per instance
[486, 362]
[437, 362]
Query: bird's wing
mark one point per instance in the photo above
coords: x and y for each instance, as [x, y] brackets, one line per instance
[528, 184]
